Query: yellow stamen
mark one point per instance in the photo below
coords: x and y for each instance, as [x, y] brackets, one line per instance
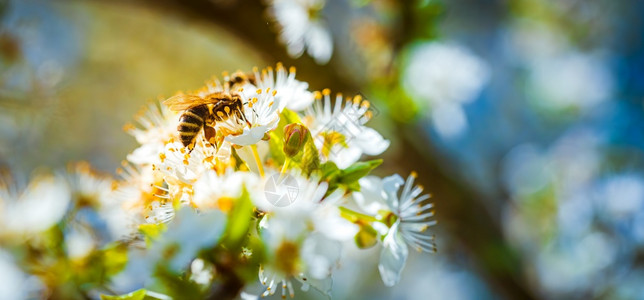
[225, 204]
[128, 127]
[357, 99]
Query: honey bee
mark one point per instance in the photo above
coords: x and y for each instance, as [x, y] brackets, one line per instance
[238, 80]
[204, 112]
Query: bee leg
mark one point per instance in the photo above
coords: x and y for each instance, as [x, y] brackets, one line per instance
[188, 139]
[191, 146]
[210, 135]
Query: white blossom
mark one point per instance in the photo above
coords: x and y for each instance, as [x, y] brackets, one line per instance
[291, 93]
[301, 26]
[304, 238]
[158, 127]
[16, 284]
[38, 207]
[445, 76]
[411, 220]
[338, 129]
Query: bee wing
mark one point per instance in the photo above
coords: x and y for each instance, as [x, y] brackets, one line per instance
[182, 102]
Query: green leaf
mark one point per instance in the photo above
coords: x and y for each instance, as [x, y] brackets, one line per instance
[136, 295]
[239, 222]
[152, 231]
[246, 266]
[358, 170]
[329, 170]
[347, 178]
[330, 173]
[97, 267]
[114, 258]
[175, 285]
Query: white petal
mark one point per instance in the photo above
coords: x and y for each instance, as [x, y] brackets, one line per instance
[329, 222]
[248, 296]
[371, 197]
[42, 205]
[192, 232]
[344, 157]
[248, 137]
[449, 120]
[393, 257]
[322, 285]
[79, 243]
[298, 100]
[15, 283]
[390, 186]
[319, 43]
[371, 142]
[320, 255]
[146, 154]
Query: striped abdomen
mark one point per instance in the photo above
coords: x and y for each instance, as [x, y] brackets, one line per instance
[191, 122]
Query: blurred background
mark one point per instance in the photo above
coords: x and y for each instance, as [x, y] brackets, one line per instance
[524, 118]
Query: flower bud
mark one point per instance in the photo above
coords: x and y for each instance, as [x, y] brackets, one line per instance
[295, 137]
[367, 237]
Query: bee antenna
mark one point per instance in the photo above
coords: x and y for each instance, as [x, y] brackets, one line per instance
[254, 112]
[241, 112]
